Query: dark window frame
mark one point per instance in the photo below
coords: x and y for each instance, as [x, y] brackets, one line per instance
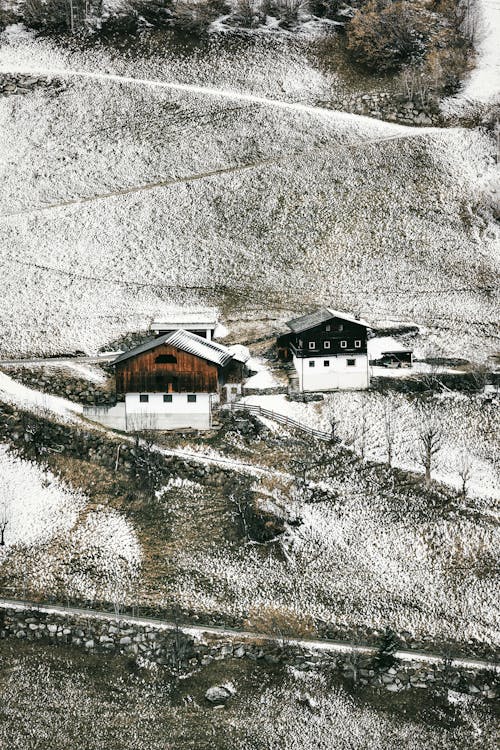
[166, 359]
[143, 398]
[191, 398]
[167, 398]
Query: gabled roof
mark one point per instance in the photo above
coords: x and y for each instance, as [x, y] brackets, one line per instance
[186, 342]
[297, 325]
[178, 318]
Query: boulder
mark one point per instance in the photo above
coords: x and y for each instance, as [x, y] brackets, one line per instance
[218, 694]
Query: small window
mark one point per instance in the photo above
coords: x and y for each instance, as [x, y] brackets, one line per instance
[167, 398]
[326, 363]
[328, 327]
[311, 364]
[300, 343]
[357, 344]
[343, 344]
[191, 398]
[144, 398]
[234, 389]
[326, 344]
[166, 359]
[312, 345]
[351, 363]
[339, 326]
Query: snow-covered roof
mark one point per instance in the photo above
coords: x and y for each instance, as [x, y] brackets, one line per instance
[381, 345]
[186, 342]
[311, 320]
[240, 353]
[179, 318]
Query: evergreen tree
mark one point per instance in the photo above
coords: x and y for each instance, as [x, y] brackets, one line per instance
[388, 645]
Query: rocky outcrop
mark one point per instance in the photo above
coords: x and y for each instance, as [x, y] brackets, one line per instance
[19, 83]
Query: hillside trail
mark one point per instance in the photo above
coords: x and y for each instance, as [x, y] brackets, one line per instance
[411, 133]
[201, 631]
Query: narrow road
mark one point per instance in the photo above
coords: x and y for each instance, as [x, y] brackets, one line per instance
[199, 631]
[81, 360]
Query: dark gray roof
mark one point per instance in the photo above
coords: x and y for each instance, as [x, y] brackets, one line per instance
[297, 325]
[186, 342]
[305, 322]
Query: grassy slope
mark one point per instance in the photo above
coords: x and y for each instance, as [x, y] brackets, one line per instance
[57, 698]
[380, 551]
[393, 229]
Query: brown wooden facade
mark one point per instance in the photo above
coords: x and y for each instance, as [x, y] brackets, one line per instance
[166, 369]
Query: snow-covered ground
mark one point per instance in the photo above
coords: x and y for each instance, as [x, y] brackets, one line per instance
[483, 84]
[34, 503]
[13, 392]
[263, 377]
[53, 544]
[270, 202]
[469, 430]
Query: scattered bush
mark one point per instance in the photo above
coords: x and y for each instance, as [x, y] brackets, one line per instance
[384, 36]
[388, 645]
[195, 16]
[278, 622]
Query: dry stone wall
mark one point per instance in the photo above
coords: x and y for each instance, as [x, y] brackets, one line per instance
[176, 650]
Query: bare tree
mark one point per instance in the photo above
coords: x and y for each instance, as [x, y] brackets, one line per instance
[465, 473]
[363, 430]
[389, 432]
[5, 511]
[334, 424]
[429, 444]
[4, 522]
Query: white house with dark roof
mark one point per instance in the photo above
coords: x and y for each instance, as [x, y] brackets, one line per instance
[328, 349]
[171, 382]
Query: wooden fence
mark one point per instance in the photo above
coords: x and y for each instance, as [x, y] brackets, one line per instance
[282, 419]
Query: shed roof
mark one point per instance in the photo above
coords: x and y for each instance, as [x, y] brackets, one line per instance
[311, 320]
[187, 342]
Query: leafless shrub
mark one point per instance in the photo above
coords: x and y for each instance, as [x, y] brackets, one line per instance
[429, 445]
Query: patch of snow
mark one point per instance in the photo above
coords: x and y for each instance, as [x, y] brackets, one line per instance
[36, 505]
[483, 84]
[263, 377]
[15, 393]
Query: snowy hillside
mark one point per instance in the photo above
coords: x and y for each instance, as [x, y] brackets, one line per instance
[54, 542]
[127, 197]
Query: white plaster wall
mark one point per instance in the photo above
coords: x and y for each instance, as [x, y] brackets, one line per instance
[160, 415]
[112, 416]
[338, 376]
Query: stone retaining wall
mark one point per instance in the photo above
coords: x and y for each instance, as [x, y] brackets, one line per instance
[176, 650]
[19, 83]
[58, 382]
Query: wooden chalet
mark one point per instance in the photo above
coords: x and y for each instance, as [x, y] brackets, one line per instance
[172, 382]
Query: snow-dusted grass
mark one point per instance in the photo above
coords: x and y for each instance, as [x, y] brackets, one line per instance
[55, 545]
[59, 696]
[320, 206]
[34, 503]
[468, 424]
[20, 395]
[366, 560]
